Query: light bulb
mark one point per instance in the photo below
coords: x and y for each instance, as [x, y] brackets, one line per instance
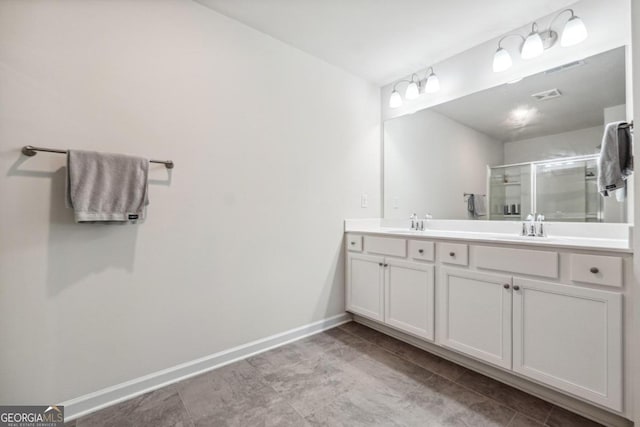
[433, 84]
[574, 32]
[501, 60]
[532, 46]
[413, 91]
[395, 100]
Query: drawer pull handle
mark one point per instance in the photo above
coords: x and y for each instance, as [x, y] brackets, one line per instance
[421, 251]
[516, 288]
[452, 254]
[506, 286]
[594, 270]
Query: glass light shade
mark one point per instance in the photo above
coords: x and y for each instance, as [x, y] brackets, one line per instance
[574, 32]
[395, 100]
[413, 91]
[433, 84]
[532, 46]
[501, 60]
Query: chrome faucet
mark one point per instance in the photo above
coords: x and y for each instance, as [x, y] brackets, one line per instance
[533, 226]
[529, 226]
[540, 232]
[414, 221]
[417, 224]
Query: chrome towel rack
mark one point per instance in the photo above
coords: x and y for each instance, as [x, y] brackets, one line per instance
[630, 126]
[30, 150]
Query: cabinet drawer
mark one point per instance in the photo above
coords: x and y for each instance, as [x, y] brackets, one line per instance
[596, 269]
[523, 261]
[453, 253]
[354, 243]
[385, 246]
[421, 250]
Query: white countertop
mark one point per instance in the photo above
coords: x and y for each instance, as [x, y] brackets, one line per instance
[590, 236]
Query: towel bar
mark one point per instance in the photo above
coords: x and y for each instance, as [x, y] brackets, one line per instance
[30, 150]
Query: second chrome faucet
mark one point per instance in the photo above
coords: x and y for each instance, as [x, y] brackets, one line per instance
[419, 225]
[534, 226]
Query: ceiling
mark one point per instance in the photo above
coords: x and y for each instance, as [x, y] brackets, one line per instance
[382, 40]
[509, 112]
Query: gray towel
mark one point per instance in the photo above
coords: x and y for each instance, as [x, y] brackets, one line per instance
[104, 187]
[477, 205]
[480, 201]
[616, 159]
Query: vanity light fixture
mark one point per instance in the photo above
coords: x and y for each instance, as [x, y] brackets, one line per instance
[574, 31]
[537, 42]
[431, 85]
[396, 100]
[433, 82]
[501, 59]
[532, 46]
[413, 90]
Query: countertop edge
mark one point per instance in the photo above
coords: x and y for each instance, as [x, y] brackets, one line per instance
[471, 238]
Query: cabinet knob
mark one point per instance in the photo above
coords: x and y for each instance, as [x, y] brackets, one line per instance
[506, 286]
[380, 264]
[516, 288]
[452, 254]
[386, 265]
[594, 270]
[421, 251]
[353, 243]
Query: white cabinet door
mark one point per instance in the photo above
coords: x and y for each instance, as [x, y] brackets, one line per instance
[569, 337]
[409, 297]
[365, 290]
[474, 314]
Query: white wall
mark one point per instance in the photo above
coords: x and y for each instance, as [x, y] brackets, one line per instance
[471, 71]
[575, 143]
[430, 161]
[243, 240]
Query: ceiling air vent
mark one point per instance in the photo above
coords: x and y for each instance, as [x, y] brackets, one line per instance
[545, 95]
[566, 67]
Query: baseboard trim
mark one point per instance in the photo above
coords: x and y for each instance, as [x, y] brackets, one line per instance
[83, 405]
[562, 400]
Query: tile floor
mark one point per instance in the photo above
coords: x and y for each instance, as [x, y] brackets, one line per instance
[346, 376]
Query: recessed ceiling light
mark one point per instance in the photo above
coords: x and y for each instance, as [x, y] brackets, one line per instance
[521, 116]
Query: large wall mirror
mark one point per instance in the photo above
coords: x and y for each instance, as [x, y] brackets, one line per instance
[526, 146]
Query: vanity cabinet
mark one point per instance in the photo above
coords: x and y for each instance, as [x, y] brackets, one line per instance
[569, 337]
[475, 314]
[395, 291]
[533, 312]
[365, 285]
[409, 297]
[565, 336]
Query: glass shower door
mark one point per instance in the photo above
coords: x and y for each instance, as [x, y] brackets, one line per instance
[565, 191]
